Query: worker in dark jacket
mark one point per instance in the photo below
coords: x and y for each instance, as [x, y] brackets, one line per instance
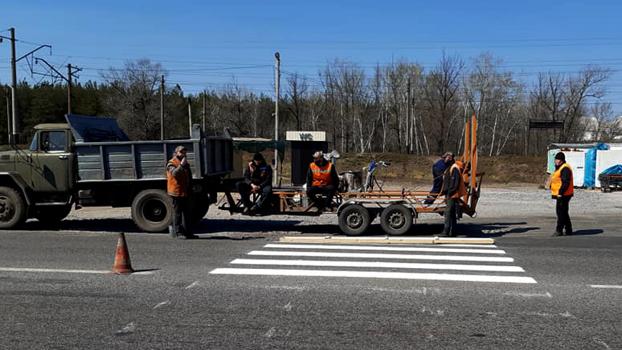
[257, 179]
[322, 181]
[453, 189]
[438, 170]
[179, 188]
[562, 190]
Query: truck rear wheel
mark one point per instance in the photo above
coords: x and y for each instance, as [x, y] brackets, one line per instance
[53, 215]
[354, 220]
[152, 210]
[12, 208]
[396, 219]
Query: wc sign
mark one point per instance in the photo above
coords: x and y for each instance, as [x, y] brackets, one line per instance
[305, 136]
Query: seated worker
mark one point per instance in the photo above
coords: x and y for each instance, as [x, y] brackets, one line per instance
[257, 179]
[438, 169]
[322, 180]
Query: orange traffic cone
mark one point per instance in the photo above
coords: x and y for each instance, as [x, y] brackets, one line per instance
[122, 264]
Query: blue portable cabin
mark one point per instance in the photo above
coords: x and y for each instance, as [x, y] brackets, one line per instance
[588, 168]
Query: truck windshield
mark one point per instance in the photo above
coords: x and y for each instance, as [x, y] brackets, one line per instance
[34, 145]
[52, 141]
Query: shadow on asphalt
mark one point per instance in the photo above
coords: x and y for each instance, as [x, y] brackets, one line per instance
[239, 225]
[205, 226]
[587, 232]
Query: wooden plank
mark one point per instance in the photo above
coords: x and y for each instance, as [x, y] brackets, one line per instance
[385, 240]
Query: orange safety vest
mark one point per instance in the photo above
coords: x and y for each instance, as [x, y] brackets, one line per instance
[177, 186]
[321, 174]
[461, 192]
[556, 181]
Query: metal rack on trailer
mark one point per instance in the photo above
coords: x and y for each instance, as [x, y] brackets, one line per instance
[397, 209]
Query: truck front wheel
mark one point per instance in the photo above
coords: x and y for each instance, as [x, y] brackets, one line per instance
[12, 208]
[152, 210]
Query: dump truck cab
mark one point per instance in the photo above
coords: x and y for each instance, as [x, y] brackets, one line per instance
[38, 181]
[53, 161]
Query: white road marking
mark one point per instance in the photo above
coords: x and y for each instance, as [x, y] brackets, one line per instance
[600, 342]
[605, 286]
[378, 264]
[374, 274]
[129, 328]
[530, 295]
[270, 333]
[143, 273]
[164, 303]
[288, 307]
[394, 249]
[27, 269]
[193, 284]
[382, 256]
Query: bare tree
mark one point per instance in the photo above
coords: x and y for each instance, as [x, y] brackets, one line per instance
[441, 97]
[296, 97]
[133, 97]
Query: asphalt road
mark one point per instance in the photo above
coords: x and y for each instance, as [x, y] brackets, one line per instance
[564, 292]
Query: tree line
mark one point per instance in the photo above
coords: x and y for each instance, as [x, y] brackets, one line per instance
[400, 107]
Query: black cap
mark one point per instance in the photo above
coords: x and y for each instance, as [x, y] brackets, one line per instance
[258, 156]
[560, 156]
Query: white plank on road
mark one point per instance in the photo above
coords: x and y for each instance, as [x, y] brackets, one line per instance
[385, 248]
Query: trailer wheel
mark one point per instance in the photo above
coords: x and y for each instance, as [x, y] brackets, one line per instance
[396, 219]
[12, 208]
[152, 210]
[53, 215]
[354, 220]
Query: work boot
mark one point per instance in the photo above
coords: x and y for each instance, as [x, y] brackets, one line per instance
[172, 231]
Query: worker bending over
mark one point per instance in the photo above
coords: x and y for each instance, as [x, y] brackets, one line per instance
[257, 179]
[454, 189]
[322, 181]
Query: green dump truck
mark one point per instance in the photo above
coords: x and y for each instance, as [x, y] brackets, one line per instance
[89, 161]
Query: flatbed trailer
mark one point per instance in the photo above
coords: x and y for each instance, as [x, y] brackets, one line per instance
[398, 208]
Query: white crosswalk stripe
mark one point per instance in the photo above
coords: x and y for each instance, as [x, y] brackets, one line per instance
[380, 262]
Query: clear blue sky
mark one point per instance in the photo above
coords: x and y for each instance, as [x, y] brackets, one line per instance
[205, 44]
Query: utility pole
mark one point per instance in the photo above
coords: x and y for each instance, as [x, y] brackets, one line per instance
[69, 88]
[14, 119]
[8, 115]
[189, 117]
[162, 107]
[14, 126]
[71, 70]
[277, 88]
[204, 110]
[408, 138]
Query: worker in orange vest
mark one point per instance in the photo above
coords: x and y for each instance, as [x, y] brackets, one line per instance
[562, 190]
[453, 189]
[322, 181]
[179, 187]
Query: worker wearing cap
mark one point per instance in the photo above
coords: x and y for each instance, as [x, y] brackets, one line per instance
[179, 187]
[257, 179]
[322, 181]
[453, 189]
[562, 190]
